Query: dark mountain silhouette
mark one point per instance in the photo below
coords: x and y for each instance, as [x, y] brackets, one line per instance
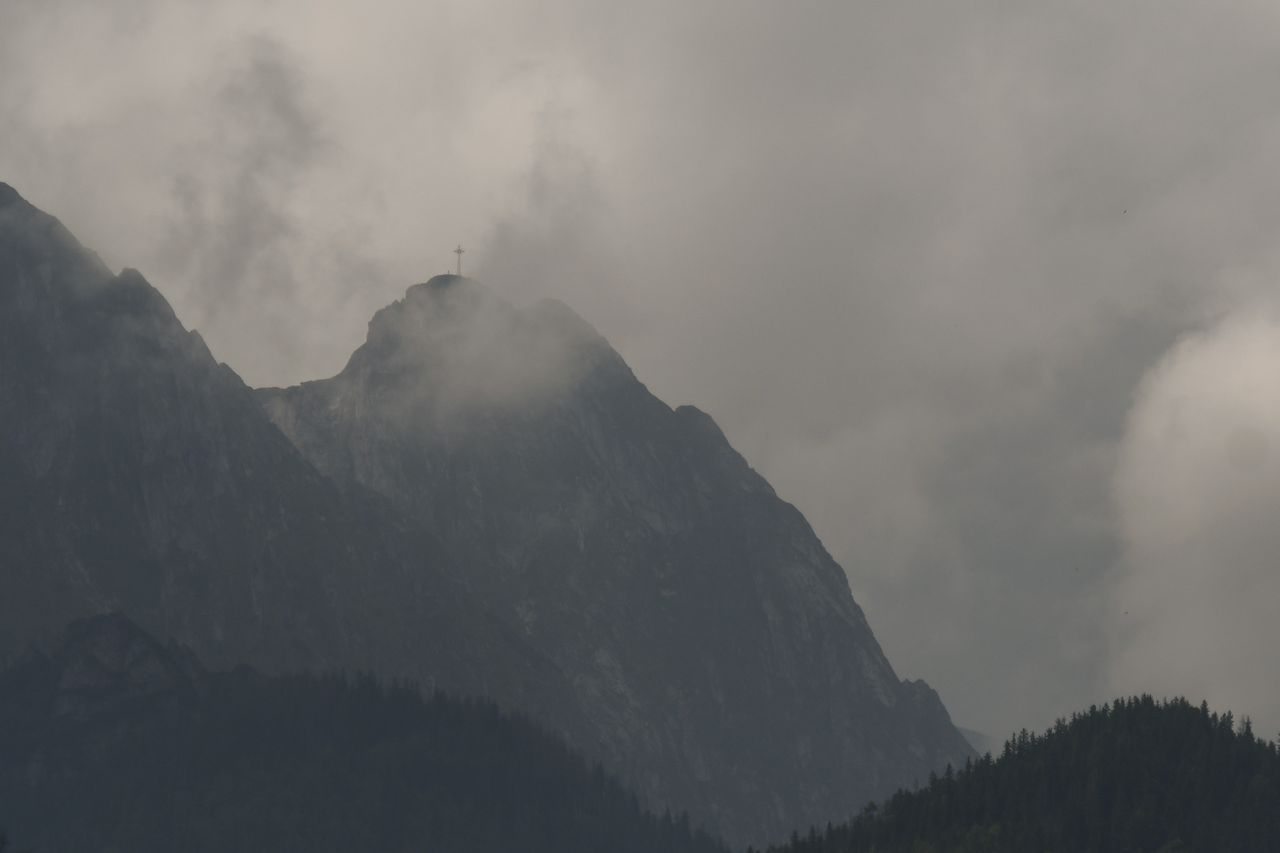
[1139, 776]
[116, 742]
[486, 500]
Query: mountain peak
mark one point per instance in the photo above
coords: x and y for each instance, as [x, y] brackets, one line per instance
[617, 536]
[38, 242]
[8, 195]
[439, 282]
[453, 347]
[439, 294]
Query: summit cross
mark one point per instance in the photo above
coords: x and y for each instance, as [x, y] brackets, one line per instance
[458, 251]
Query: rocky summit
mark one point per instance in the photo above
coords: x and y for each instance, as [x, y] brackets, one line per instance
[713, 644]
[485, 500]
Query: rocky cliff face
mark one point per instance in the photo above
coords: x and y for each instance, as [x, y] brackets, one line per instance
[138, 474]
[712, 642]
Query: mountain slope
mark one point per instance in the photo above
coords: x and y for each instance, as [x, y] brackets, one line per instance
[115, 742]
[712, 642]
[137, 473]
[1137, 776]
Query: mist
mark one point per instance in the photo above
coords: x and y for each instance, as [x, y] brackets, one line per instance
[452, 351]
[932, 267]
[1198, 492]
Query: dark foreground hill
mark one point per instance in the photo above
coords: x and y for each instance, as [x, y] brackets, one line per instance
[1139, 776]
[115, 742]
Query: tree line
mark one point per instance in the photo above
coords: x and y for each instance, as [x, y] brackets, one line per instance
[1133, 776]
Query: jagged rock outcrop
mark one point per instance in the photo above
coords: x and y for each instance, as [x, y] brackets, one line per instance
[712, 642]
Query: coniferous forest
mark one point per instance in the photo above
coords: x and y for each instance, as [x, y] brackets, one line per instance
[162, 756]
[1140, 776]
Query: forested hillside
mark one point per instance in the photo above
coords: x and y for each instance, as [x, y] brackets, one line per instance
[118, 743]
[487, 500]
[1136, 776]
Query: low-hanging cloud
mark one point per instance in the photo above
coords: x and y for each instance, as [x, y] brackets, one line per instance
[232, 238]
[452, 352]
[1197, 490]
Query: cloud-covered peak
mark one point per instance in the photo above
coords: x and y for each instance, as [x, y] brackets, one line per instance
[453, 347]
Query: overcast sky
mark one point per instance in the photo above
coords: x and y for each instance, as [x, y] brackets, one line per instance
[985, 288]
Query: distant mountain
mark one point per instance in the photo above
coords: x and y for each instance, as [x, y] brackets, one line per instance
[117, 742]
[981, 743]
[1138, 776]
[712, 642]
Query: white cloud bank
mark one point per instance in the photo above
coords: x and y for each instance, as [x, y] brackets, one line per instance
[1197, 490]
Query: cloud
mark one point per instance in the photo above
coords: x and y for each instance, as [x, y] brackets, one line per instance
[1197, 489]
[451, 354]
[914, 258]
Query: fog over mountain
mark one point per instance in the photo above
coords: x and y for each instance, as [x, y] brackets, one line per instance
[943, 273]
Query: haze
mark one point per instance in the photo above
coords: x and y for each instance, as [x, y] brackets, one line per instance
[986, 289]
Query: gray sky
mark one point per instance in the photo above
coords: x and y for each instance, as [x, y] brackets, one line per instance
[944, 272]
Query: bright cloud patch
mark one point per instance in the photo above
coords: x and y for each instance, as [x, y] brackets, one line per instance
[1198, 495]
